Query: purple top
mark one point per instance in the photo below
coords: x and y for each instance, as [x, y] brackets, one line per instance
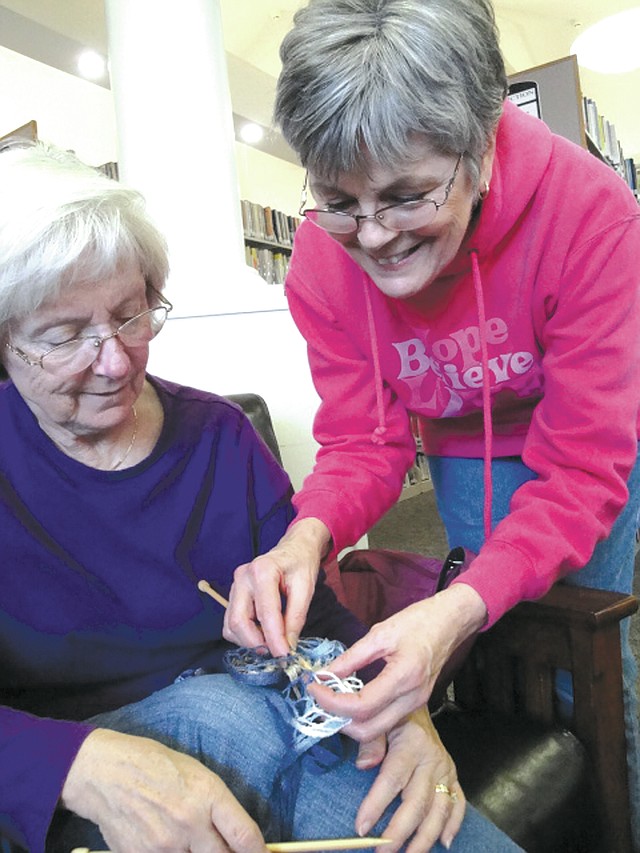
[99, 601]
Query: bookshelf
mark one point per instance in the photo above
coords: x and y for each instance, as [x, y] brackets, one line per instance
[602, 141]
[553, 92]
[268, 239]
[110, 170]
[26, 131]
[417, 480]
[30, 131]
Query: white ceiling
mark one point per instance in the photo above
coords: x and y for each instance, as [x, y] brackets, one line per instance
[532, 32]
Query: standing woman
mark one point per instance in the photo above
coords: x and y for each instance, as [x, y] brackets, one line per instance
[466, 265]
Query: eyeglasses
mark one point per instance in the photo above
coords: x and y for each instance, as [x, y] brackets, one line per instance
[76, 355]
[401, 216]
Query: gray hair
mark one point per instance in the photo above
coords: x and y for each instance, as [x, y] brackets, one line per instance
[62, 221]
[362, 77]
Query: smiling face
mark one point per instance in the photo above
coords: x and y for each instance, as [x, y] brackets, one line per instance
[403, 264]
[99, 398]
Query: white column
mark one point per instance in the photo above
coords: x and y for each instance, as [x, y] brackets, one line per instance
[230, 331]
[176, 145]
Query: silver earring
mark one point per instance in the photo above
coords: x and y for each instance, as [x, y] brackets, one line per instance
[484, 192]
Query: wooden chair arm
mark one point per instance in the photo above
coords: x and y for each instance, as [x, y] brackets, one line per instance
[512, 669]
[592, 608]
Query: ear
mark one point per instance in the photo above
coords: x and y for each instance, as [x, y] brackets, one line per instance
[486, 164]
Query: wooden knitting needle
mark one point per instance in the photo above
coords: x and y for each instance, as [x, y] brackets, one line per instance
[302, 846]
[327, 844]
[204, 586]
[286, 846]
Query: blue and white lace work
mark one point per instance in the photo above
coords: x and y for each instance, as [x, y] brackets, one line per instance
[313, 732]
[292, 674]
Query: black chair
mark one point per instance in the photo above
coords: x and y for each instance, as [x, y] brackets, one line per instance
[551, 784]
[257, 411]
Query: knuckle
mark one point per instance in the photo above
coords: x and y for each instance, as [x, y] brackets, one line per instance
[245, 837]
[241, 574]
[230, 625]
[228, 633]
[396, 779]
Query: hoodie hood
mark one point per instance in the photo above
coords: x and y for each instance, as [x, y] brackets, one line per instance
[524, 149]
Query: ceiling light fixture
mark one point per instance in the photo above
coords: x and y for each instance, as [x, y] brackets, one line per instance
[251, 133]
[610, 46]
[91, 65]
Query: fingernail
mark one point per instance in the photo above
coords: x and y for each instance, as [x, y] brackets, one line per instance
[363, 828]
[293, 642]
[447, 842]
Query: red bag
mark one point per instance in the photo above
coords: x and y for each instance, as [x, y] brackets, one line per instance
[377, 583]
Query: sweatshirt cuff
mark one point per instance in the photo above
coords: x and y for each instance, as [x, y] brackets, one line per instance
[35, 764]
[503, 576]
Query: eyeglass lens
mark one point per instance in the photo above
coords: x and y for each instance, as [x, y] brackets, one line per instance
[78, 354]
[401, 218]
[404, 216]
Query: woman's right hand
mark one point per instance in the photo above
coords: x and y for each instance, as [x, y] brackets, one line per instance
[146, 797]
[414, 643]
[254, 616]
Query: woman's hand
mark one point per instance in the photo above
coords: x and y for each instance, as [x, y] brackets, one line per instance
[148, 798]
[254, 616]
[415, 643]
[416, 761]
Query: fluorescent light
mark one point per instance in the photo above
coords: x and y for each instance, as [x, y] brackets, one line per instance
[91, 65]
[251, 133]
[610, 46]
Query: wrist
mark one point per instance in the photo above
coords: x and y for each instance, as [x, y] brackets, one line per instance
[313, 534]
[78, 783]
[467, 607]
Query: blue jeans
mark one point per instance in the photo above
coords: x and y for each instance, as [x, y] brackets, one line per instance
[458, 485]
[239, 733]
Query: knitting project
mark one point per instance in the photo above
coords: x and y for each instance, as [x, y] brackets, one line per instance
[293, 673]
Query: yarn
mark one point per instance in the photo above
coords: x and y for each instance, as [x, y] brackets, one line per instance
[302, 667]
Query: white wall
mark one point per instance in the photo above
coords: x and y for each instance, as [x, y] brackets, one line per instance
[70, 112]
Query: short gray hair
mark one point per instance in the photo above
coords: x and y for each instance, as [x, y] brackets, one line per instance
[62, 221]
[364, 76]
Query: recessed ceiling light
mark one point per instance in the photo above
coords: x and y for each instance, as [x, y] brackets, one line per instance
[610, 46]
[251, 133]
[91, 65]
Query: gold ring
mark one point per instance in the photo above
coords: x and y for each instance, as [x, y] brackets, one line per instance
[440, 788]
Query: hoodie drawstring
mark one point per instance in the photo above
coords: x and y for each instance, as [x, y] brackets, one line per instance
[378, 435]
[486, 395]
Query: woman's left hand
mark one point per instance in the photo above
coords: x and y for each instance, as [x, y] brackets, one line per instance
[416, 762]
[415, 644]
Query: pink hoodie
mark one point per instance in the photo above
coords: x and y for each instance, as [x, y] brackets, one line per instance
[546, 306]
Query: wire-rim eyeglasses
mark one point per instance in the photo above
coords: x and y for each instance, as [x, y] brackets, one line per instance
[400, 216]
[78, 354]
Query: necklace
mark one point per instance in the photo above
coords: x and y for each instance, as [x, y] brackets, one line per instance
[122, 460]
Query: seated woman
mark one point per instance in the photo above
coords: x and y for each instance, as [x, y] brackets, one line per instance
[118, 492]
